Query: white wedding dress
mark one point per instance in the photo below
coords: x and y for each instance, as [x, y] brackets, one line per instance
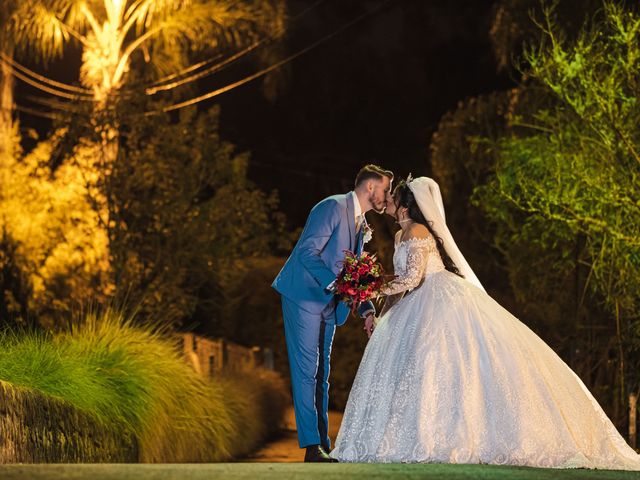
[449, 376]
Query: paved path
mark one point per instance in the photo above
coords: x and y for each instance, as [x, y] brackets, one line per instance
[284, 448]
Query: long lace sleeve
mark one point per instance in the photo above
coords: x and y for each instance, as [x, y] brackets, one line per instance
[417, 256]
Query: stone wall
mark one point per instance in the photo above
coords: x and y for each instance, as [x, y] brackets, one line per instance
[35, 428]
[211, 357]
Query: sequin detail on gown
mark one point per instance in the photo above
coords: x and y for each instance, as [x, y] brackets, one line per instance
[449, 376]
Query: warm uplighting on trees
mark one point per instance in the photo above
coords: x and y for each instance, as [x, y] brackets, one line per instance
[162, 35]
[54, 218]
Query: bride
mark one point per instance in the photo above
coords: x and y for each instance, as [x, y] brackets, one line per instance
[450, 376]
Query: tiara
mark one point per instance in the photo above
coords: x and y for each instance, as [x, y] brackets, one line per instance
[409, 179]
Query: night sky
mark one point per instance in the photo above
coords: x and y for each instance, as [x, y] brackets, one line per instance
[374, 92]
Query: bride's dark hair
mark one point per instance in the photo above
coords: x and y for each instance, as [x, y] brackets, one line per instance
[404, 197]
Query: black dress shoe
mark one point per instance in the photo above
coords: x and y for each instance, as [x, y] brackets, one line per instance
[315, 453]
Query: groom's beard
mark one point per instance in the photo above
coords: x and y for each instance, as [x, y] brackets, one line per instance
[380, 210]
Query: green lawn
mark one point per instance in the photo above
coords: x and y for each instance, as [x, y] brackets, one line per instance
[279, 471]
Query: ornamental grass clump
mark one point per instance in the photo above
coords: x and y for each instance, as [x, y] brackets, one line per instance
[134, 378]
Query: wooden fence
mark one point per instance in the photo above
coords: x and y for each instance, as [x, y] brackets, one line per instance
[212, 357]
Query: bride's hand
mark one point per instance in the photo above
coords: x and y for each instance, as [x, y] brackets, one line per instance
[369, 324]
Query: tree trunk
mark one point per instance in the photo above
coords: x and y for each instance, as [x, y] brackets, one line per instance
[6, 108]
[620, 397]
[633, 409]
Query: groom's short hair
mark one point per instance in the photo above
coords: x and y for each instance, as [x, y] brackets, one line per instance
[372, 172]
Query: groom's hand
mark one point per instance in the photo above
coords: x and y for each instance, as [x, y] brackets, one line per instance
[331, 288]
[369, 324]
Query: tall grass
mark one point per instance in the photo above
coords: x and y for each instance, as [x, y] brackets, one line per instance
[134, 378]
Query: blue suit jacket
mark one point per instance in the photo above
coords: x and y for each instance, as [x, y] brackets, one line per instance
[316, 259]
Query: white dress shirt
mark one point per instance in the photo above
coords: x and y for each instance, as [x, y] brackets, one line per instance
[357, 211]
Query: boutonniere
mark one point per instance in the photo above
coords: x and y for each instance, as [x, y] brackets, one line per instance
[367, 233]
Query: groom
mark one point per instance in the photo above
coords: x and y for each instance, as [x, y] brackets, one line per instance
[311, 311]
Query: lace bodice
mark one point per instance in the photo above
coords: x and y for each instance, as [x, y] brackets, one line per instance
[413, 260]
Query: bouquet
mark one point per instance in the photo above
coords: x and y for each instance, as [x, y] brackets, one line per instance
[360, 279]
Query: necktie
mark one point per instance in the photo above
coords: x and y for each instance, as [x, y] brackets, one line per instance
[359, 225]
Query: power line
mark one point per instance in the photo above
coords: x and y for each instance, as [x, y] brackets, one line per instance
[44, 88]
[185, 71]
[265, 71]
[39, 81]
[220, 66]
[17, 66]
[37, 113]
[57, 105]
[209, 71]
[61, 106]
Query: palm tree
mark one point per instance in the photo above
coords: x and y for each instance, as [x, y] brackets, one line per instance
[112, 33]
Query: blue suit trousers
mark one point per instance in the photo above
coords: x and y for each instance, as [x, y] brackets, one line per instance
[309, 338]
